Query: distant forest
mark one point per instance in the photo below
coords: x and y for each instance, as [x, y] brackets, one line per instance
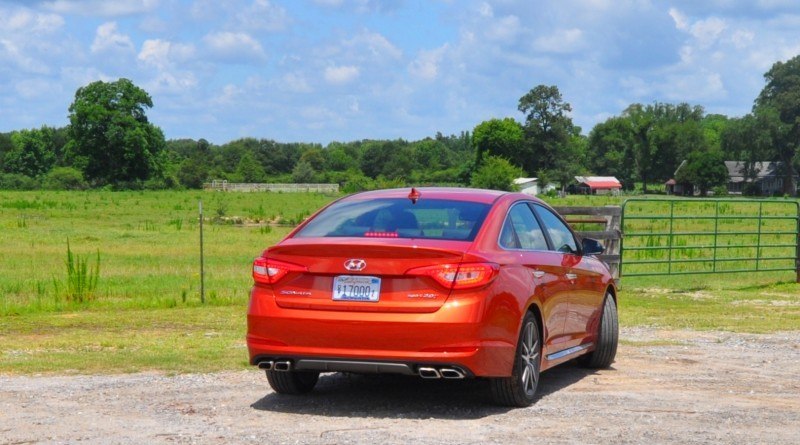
[110, 143]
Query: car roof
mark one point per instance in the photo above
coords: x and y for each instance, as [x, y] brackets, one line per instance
[452, 193]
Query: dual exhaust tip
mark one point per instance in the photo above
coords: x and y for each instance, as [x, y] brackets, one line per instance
[441, 373]
[280, 365]
[425, 372]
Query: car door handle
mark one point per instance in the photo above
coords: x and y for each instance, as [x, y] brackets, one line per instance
[571, 276]
[537, 273]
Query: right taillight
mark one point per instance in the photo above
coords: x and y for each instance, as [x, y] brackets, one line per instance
[459, 276]
[268, 271]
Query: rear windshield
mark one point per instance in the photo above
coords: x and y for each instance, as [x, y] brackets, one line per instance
[398, 218]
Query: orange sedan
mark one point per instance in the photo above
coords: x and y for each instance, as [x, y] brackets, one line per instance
[433, 282]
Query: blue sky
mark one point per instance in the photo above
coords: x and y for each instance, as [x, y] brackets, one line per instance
[343, 70]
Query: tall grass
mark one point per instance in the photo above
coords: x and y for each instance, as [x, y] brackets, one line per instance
[81, 279]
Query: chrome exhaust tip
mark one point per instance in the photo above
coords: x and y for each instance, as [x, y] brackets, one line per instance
[282, 366]
[266, 365]
[429, 373]
[452, 373]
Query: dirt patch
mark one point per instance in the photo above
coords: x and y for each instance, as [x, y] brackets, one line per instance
[665, 387]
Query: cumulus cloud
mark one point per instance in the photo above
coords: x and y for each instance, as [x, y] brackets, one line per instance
[162, 53]
[426, 64]
[109, 39]
[237, 47]
[262, 15]
[561, 41]
[101, 7]
[339, 75]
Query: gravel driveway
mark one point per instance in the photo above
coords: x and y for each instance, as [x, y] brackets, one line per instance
[665, 387]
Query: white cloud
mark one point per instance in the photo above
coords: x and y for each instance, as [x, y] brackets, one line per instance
[339, 75]
[504, 29]
[30, 22]
[426, 65]
[561, 41]
[108, 39]
[373, 44]
[262, 15]
[172, 83]
[162, 54]
[294, 82]
[101, 7]
[708, 31]
[234, 47]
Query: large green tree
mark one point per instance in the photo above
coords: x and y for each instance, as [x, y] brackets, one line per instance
[704, 169]
[111, 138]
[500, 137]
[32, 154]
[556, 147]
[782, 94]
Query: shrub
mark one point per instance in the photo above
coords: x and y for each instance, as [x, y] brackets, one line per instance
[64, 178]
[16, 181]
[496, 173]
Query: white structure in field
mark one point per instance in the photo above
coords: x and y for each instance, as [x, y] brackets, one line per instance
[531, 186]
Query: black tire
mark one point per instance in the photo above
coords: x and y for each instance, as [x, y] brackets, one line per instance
[519, 390]
[607, 338]
[292, 382]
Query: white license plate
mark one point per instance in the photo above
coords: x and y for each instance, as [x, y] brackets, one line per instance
[356, 288]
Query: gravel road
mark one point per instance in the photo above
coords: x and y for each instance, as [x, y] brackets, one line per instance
[665, 387]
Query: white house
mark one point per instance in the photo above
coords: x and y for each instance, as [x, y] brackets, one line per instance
[531, 186]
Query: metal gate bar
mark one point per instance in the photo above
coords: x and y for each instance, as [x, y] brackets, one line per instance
[760, 220]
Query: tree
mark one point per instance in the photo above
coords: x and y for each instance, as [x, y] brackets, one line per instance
[663, 136]
[496, 173]
[549, 134]
[32, 154]
[782, 94]
[500, 137]
[110, 136]
[704, 169]
[303, 173]
[610, 150]
[249, 170]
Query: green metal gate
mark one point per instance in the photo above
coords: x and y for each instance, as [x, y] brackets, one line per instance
[709, 236]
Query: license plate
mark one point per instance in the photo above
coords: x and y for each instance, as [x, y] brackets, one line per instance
[356, 288]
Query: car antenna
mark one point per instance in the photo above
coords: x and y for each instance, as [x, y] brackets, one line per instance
[414, 195]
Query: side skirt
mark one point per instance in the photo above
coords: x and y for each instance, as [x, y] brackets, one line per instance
[570, 351]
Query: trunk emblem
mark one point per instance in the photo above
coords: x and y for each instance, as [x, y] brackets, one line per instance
[355, 264]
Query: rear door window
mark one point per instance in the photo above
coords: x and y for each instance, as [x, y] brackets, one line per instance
[560, 235]
[521, 230]
[398, 218]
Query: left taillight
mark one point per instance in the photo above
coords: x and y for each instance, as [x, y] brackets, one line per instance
[459, 276]
[268, 271]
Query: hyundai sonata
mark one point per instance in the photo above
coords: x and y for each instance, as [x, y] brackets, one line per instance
[439, 283]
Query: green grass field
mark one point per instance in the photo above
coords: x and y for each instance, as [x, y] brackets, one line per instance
[145, 313]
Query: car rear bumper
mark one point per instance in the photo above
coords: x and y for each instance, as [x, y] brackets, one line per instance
[457, 335]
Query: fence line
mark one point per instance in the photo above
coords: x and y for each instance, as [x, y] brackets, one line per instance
[225, 186]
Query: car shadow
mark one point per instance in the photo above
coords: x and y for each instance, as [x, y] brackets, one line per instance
[394, 396]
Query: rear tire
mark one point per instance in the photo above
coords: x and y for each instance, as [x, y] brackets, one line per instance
[292, 382]
[519, 390]
[607, 338]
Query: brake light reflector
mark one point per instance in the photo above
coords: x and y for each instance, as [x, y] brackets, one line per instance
[269, 271]
[459, 276]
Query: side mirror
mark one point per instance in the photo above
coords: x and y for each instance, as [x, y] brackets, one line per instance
[592, 247]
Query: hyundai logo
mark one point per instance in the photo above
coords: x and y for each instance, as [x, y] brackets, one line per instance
[355, 264]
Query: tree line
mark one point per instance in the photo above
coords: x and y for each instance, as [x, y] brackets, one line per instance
[110, 142]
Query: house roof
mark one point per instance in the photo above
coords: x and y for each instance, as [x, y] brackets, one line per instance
[520, 181]
[599, 182]
[736, 170]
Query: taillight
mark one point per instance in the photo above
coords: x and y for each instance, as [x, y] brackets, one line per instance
[269, 271]
[459, 276]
